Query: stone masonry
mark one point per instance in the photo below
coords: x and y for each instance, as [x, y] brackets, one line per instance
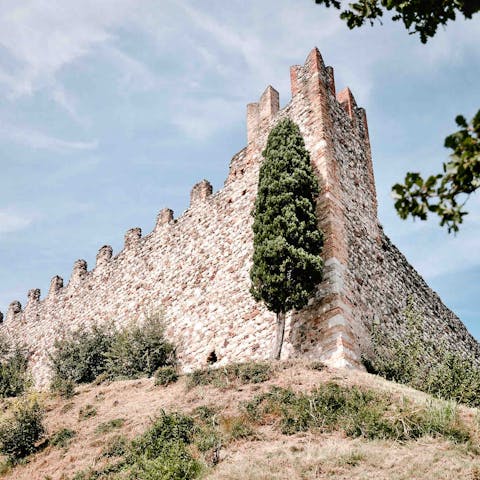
[194, 270]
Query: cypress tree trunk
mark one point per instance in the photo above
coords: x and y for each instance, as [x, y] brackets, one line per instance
[277, 350]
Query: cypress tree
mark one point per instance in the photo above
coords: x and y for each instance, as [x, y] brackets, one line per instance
[287, 242]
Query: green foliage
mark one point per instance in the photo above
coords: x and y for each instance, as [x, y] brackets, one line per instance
[86, 412]
[103, 352]
[357, 412]
[14, 377]
[22, 429]
[109, 426]
[234, 373]
[117, 446]
[421, 17]
[445, 194]
[80, 355]
[423, 364]
[62, 438]
[161, 453]
[65, 387]
[287, 243]
[139, 350]
[166, 375]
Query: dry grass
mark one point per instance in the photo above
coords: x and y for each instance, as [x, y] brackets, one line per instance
[265, 455]
[327, 457]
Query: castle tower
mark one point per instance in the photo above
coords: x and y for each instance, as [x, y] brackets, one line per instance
[194, 270]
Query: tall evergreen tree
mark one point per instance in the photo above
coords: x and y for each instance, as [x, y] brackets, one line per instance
[287, 242]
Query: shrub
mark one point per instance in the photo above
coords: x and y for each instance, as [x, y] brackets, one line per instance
[20, 432]
[117, 446]
[423, 364]
[88, 411]
[79, 357]
[251, 372]
[63, 387]
[110, 425]
[62, 438]
[104, 352]
[14, 378]
[166, 375]
[358, 412]
[139, 350]
[161, 453]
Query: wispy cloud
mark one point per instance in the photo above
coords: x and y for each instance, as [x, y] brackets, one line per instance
[11, 221]
[38, 140]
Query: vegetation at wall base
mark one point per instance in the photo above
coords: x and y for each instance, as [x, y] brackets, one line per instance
[14, 376]
[105, 352]
[423, 364]
[231, 374]
[287, 243]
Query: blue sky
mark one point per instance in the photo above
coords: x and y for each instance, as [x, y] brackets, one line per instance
[112, 109]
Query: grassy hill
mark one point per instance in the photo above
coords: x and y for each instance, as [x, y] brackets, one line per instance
[289, 420]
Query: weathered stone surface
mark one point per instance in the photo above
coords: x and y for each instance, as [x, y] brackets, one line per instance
[195, 270]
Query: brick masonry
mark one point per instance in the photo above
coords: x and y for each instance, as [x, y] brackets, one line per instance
[194, 270]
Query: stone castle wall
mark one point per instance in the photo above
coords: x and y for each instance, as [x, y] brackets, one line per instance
[194, 270]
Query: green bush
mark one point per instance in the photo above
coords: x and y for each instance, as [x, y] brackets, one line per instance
[139, 350]
[104, 352]
[423, 364]
[80, 356]
[166, 375]
[109, 426]
[251, 372]
[14, 377]
[22, 429]
[357, 412]
[86, 412]
[117, 446]
[62, 438]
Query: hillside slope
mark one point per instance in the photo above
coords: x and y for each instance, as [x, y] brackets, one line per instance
[100, 414]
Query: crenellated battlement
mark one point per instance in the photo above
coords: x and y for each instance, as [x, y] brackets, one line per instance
[194, 270]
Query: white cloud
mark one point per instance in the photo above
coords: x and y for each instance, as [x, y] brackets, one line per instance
[39, 140]
[44, 36]
[11, 221]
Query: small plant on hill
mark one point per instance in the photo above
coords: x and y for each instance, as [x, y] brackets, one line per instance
[166, 375]
[14, 377]
[234, 373]
[109, 426]
[22, 429]
[62, 438]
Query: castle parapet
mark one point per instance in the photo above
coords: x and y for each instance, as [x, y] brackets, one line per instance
[164, 216]
[347, 101]
[104, 255]
[79, 272]
[200, 192]
[261, 112]
[56, 284]
[14, 311]
[33, 297]
[132, 237]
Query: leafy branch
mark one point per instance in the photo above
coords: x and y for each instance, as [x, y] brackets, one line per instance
[445, 194]
[418, 16]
